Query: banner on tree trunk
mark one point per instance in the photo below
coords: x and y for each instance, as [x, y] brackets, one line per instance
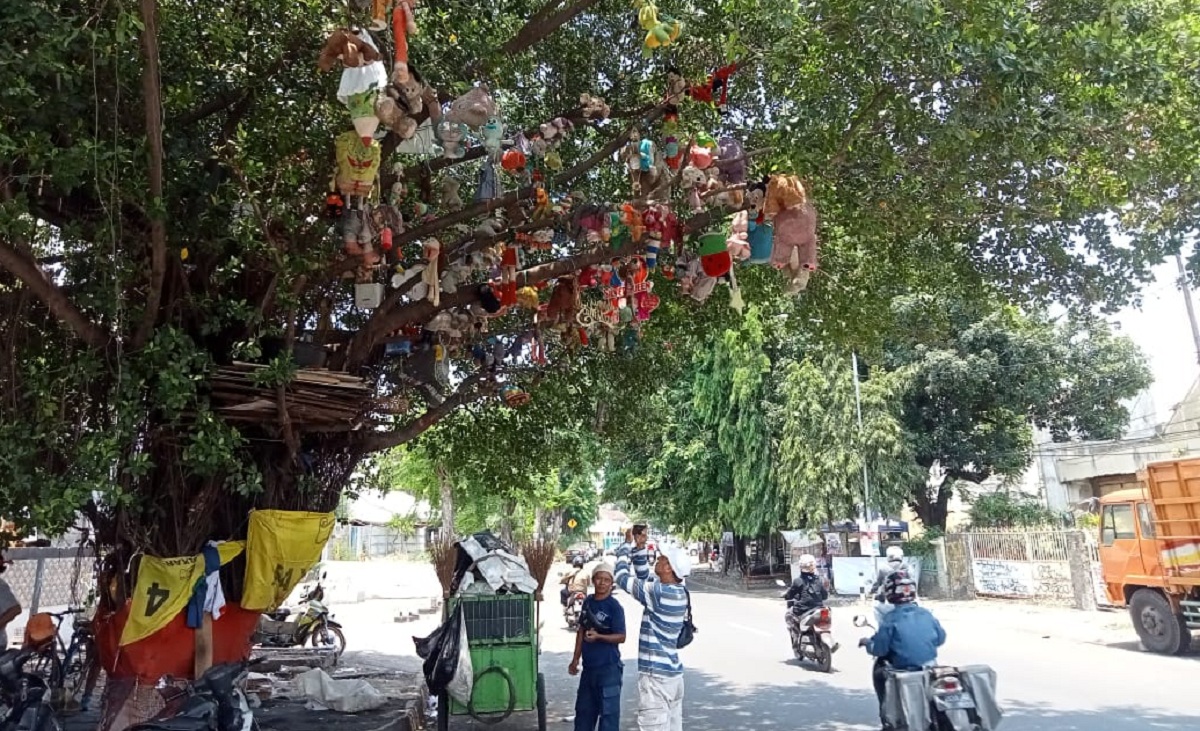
[163, 588]
[281, 547]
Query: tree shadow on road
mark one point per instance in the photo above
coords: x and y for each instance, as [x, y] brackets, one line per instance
[1136, 646]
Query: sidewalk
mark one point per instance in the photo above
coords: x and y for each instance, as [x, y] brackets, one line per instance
[1104, 627]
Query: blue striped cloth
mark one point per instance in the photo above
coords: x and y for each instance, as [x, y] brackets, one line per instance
[666, 607]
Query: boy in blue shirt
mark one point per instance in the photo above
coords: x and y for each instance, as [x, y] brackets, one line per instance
[597, 644]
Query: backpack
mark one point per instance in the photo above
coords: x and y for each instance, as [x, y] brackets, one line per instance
[688, 631]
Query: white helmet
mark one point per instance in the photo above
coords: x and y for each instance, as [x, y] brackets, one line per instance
[808, 562]
[895, 553]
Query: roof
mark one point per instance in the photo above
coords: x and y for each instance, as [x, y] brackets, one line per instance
[1129, 494]
[374, 508]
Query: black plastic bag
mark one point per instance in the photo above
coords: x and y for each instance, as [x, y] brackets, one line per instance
[440, 651]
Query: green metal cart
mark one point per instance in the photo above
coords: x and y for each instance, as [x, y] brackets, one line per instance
[503, 633]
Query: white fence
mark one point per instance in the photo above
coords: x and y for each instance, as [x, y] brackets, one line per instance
[1024, 564]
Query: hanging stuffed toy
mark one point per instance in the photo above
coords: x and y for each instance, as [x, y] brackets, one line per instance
[795, 222]
[493, 137]
[715, 90]
[357, 164]
[593, 107]
[731, 171]
[527, 297]
[738, 242]
[363, 76]
[509, 262]
[452, 136]
[715, 259]
[677, 89]
[404, 24]
[660, 33]
[474, 108]
[451, 200]
[399, 105]
[429, 277]
[488, 187]
[655, 222]
[694, 182]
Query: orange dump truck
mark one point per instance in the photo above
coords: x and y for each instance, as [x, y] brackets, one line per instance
[1150, 553]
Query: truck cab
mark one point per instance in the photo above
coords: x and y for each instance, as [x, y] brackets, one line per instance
[1149, 546]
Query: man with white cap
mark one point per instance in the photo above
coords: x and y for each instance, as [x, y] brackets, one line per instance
[660, 674]
[601, 630]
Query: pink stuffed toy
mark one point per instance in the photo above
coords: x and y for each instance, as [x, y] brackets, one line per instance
[738, 242]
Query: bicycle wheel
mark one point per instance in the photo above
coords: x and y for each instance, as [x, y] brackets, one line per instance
[79, 676]
[47, 665]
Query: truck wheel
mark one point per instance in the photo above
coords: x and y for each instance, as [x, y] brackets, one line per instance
[1159, 627]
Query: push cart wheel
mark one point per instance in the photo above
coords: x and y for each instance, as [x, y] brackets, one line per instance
[541, 702]
[443, 718]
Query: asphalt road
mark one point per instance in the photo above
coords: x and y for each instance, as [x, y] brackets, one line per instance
[740, 675]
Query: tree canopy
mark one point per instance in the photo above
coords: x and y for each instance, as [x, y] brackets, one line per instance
[165, 165]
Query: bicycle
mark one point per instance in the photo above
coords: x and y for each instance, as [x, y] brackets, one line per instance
[71, 669]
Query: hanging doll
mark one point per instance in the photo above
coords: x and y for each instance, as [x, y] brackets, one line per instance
[400, 103]
[731, 171]
[432, 249]
[474, 108]
[715, 90]
[363, 76]
[452, 136]
[760, 233]
[632, 155]
[795, 222]
[404, 24]
[451, 200]
[488, 187]
[357, 166]
[593, 107]
[738, 242]
[694, 182]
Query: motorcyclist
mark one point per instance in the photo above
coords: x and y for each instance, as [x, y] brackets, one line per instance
[908, 636]
[895, 562]
[574, 581]
[806, 593]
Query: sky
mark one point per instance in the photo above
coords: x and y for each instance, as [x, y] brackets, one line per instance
[1160, 327]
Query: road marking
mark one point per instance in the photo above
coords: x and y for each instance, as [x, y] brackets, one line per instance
[752, 630]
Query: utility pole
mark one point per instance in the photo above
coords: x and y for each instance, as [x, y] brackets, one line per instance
[1185, 285]
[858, 409]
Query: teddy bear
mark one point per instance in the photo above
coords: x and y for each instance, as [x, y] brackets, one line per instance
[738, 242]
[593, 107]
[493, 137]
[450, 197]
[556, 130]
[474, 108]
[794, 220]
[393, 117]
[353, 50]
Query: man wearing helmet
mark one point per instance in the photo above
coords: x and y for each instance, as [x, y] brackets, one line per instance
[908, 637]
[807, 592]
[895, 562]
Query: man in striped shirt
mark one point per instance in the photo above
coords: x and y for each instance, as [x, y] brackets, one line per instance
[660, 674]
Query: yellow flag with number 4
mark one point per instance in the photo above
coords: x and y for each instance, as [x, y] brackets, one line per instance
[163, 588]
[281, 546]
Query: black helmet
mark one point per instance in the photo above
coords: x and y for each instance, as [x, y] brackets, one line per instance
[900, 588]
[577, 562]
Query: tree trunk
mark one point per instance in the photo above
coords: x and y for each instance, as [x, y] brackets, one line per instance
[932, 510]
[446, 499]
[739, 557]
[506, 523]
[539, 518]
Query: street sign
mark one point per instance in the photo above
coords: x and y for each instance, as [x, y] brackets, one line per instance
[572, 523]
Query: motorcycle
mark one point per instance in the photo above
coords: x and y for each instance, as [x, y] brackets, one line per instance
[215, 702]
[573, 609]
[315, 625]
[940, 697]
[812, 635]
[24, 697]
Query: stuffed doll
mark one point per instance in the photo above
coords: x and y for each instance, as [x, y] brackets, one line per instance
[450, 197]
[677, 88]
[564, 302]
[513, 161]
[452, 136]
[393, 117]
[493, 137]
[474, 108]
[488, 187]
[715, 258]
[694, 182]
[556, 130]
[357, 164]
[509, 261]
[654, 221]
[794, 219]
[363, 76]
[731, 171]
[404, 24]
[715, 90]
[762, 240]
[429, 277]
[527, 298]
[593, 107]
[738, 242]
[660, 32]
[632, 155]
[454, 276]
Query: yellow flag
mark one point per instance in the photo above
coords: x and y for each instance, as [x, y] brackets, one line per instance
[281, 546]
[163, 588]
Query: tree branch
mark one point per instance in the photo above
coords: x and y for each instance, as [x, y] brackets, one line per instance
[26, 270]
[465, 393]
[856, 123]
[152, 101]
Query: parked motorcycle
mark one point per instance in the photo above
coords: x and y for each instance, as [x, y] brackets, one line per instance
[811, 634]
[940, 697]
[315, 625]
[24, 696]
[215, 702]
[574, 608]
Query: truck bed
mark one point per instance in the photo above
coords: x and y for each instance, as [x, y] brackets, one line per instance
[1174, 491]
